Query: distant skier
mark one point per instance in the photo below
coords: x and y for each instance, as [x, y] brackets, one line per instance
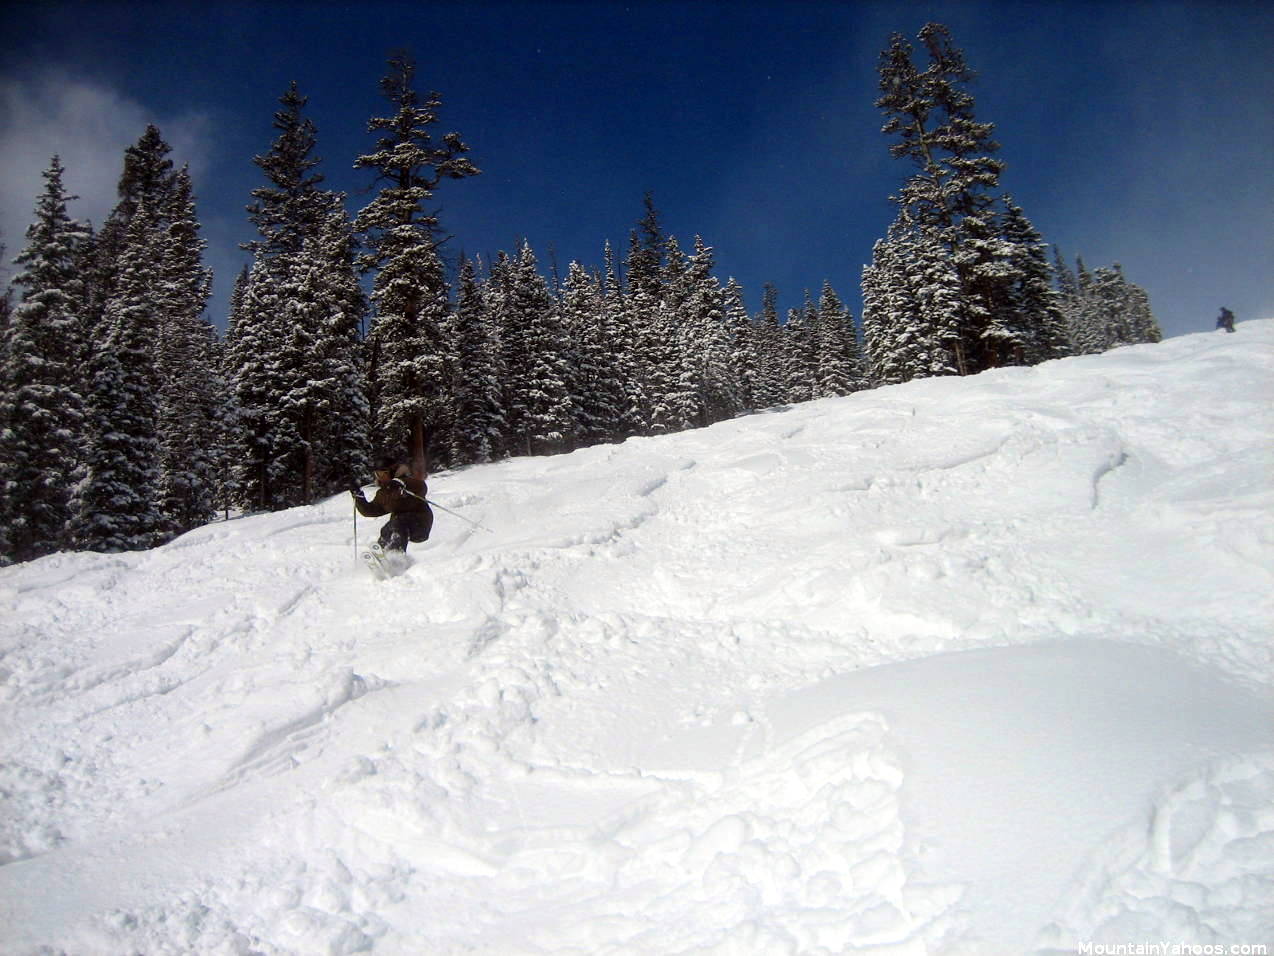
[400, 495]
[1225, 320]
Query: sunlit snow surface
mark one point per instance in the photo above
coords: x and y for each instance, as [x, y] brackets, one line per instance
[960, 666]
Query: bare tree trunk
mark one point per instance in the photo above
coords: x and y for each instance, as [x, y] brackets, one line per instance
[419, 460]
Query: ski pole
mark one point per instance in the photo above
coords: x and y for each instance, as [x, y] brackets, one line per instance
[356, 533]
[460, 516]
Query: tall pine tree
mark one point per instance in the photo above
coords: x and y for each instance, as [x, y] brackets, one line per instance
[951, 208]
[479, 424]
[192, 398]
[410, 378]
[41, 396]
[117, 507]
[295, 351]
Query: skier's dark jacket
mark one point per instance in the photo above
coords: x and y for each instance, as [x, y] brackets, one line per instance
[402, 495]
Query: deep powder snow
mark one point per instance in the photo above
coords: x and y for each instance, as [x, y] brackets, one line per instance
[960, 666]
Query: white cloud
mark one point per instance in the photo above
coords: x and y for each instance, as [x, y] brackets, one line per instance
[88, 125]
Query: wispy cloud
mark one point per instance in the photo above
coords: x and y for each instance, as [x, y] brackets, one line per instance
[88, 125]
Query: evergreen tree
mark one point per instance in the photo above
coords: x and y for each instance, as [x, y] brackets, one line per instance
[117, 510]
[148, 179]
[6, 310]
[745, 357]
[320, 420]
[771, 383]
[1067, 282]
[645, 317]
[41, 402]
[882, 281]
[292, 207]
[799, 337]
[838, 367]
[479, 429]
[538, 395]
[1116, 312]
[672, 405]
[646, 253]
[294, 347]
[621, 330]
[344, 429]
[1100, 309]
[911, 311]
[1141, 319]
[599, 399]
[709, 376]
[996, 313]
[191, 408]
[1044, 334]
[408, 362]
[254, 339]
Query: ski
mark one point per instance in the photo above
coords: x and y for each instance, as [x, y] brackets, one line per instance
[384, 565]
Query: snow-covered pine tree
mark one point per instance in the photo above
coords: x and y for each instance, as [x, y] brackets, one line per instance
[911, 306]
[1013, 292]
[643, 306]
[343, 433]
[539, 372]
[320, 432]
[1115, 312]
[935, 342]
[1101, 309]
[6, 310]
[745, 357]
[1107, 295]
[1085, 329]
[799, 336]
[148, 178]
[293, 206]
[192, 399]
[411, 386]
[238, 295]
[117, 505]
[1044, 328]
[646, 252]
[770, 388]
[628, 373]
[839, 368]
[663, 348]
[1141, 318]
[253, 342]
[300, 422]
[479, 426]
[1067, 287]
[41, 397]
[498, 305]
[985, 262]
[599, 400]
[900, 345]
[953, 206]
[230, 493]
[880, 292]
[709, 375]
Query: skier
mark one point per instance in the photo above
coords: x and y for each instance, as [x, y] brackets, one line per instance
[1225, 320]
[400, 495]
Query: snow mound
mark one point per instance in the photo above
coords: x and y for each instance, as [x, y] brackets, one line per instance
[959, 666]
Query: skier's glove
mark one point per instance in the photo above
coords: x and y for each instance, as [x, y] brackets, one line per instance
[356, 491]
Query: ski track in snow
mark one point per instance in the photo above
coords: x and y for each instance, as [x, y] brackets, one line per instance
[651, 711]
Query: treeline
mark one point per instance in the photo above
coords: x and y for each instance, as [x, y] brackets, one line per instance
[961, 281]
[125, 419]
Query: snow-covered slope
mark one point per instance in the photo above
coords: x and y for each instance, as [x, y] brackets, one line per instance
[960, 666]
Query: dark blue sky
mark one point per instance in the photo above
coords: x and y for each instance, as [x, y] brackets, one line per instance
[1133, 132]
